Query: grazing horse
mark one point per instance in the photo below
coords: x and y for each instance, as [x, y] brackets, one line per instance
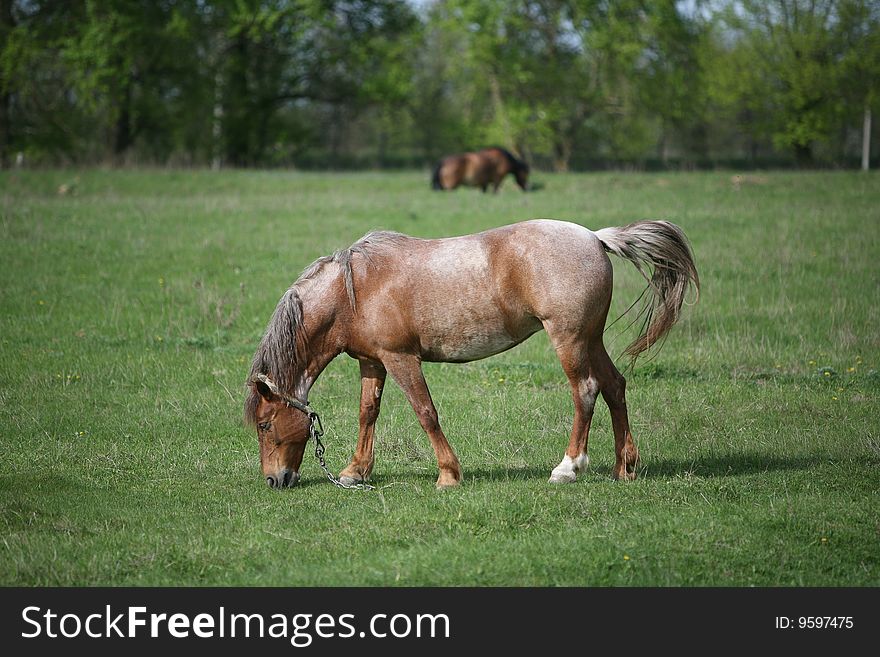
[479, 169]
[392, 301]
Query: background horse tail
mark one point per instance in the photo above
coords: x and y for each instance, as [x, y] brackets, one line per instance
[664, 248]
[435, 179]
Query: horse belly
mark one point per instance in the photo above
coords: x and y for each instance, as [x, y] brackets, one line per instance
[467, 341]
[461, 319]
[476, 173]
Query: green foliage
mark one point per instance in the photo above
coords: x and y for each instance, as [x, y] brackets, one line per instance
[561, 82]
[793, 63]
[858, 40]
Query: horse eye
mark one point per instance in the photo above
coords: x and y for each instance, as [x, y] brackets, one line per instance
[264, 426]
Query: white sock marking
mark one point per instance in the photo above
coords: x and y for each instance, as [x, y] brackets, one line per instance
[568, 468]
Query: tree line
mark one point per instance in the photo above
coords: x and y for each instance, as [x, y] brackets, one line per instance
[567, 84]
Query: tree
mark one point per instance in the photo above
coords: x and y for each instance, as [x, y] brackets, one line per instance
[340, 82]
[518, 73]
[272, 57]
[40, 114]
[124, 59]
[858, 34]
[670, 77]
[788, 47]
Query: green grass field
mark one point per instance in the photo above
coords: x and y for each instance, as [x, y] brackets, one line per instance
[132, 304]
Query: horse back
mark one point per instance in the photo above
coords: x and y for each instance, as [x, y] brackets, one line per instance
[463, 298]
[552, 270]
[490, 165]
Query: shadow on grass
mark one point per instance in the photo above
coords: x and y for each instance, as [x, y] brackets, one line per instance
[728, 465]
[528, 473]
[705, 466]
[522, 473]
[731, 465]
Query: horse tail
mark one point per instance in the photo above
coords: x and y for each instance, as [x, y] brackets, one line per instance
[663, 247]
[435, 179]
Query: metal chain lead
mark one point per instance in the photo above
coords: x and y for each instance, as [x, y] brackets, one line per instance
[316, 430]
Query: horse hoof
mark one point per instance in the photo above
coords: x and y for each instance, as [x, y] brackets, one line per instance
[624, 476]
[345, 480]
[567, 470]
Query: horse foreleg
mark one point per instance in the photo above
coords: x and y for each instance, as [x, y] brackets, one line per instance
[407, 372]
[372, 383]
[613, 387]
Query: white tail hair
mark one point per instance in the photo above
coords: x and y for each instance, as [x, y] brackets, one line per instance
[664, 248]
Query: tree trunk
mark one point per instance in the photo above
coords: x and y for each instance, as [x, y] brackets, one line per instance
[5, 130]
[561, 153]
[217, 125]
[123, 134]
[428, 119]
[428, 145]
[6, 25]
[336, 125]
[700, 142]
[382, 148]
[866, 140]
[663, 145]
[498, 106]
[804, 155]
[237, 123]
[262, 117]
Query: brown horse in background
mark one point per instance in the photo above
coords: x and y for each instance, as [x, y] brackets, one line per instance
[393, 302]
[479, 169]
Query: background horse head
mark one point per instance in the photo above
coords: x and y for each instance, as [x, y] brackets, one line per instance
[480, 169]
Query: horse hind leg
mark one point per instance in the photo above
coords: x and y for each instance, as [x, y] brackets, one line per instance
[576, 458]
[584, 389]
[613, 387]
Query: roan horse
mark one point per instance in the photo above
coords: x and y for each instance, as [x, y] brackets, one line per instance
[479, 169]
[392, 301]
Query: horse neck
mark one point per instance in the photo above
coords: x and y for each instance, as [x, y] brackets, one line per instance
[324, 306]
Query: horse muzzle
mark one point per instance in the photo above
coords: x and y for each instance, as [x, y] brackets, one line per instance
[283, 479]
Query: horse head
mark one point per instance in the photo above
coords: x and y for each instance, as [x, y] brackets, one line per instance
[282, 430]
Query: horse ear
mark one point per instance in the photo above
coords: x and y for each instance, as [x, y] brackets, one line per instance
[263, 390]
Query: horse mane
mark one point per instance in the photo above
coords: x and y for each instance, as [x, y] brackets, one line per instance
[284, 344]
[515, 163]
